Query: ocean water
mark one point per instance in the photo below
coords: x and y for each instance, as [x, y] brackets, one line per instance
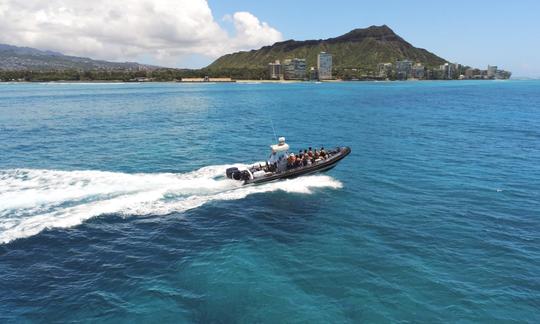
[113, 207]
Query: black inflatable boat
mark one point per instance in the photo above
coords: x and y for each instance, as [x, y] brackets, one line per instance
[277, 168]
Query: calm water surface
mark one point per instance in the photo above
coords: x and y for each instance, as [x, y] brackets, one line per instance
[112, 207]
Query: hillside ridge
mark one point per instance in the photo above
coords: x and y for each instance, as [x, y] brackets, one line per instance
[361, 47]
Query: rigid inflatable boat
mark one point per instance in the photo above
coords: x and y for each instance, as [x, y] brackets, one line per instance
[278, 165]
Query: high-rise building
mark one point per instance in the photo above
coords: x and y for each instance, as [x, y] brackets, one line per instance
[418, 71]
[403, 69]
[294, 69]
[275, 70]
[384, 69]
[491, 71]
[324, 66]
[449, 71]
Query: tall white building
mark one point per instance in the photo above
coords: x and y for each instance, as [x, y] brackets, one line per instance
[324, 66]
[275, 70]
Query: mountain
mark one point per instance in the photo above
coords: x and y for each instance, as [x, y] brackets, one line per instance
[363, 48]
[14, 58]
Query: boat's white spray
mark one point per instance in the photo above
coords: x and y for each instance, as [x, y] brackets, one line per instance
[33, 200]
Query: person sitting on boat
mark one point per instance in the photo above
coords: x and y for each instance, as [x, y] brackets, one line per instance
[316, 155]
[310, 153]
[323, 153]
[290, 160]
[298, 162]
[305, 160]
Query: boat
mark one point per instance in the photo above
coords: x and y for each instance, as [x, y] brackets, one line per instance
[277, 166]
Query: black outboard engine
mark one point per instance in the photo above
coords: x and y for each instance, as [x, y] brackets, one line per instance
[230, 172]
[234, 173]
[237, 175]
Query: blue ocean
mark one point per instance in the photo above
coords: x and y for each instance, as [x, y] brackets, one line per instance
[114, 208]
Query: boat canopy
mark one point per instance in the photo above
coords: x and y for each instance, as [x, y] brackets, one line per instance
[281, 146]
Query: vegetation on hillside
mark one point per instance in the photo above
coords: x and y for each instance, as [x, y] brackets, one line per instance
[360, 48]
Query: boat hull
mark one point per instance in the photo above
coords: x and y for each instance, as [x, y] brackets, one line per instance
[320, 166]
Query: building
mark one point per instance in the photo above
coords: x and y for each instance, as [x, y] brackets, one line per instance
[324, 66]
[491, 71]
[384, 70]
[403, 69]
[294, 69]
[275, 70]
[503, 75]
[449, 71]
[313, 73]
[458, 68]
[470, 73]
[444, 70]
[418, 71]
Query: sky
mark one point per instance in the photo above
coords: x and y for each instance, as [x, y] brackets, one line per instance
[192, 33]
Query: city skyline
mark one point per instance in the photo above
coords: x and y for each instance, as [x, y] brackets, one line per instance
[193, 33]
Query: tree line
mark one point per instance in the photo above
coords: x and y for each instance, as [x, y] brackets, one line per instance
[128, 75]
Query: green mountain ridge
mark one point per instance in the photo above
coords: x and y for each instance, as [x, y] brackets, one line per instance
[15, 58]
[361, 48]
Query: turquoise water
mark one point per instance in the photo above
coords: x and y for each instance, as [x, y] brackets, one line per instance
[112, 207]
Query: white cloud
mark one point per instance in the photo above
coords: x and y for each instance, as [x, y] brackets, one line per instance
[249, 30]
[163, 30]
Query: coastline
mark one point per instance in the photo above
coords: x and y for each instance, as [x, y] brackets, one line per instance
[248, 81]
[244, 81]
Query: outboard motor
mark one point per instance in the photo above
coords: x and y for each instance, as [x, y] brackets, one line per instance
[230, 172]
[241, 175]
[237, 175]
[234, 173]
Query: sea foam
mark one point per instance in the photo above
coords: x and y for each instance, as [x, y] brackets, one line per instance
[32, 200]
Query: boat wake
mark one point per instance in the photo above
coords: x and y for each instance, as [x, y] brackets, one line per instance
[33, 200]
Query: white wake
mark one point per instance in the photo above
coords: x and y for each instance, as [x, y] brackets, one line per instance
[33, 200]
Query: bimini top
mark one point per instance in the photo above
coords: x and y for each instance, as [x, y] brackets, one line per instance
[281, 146]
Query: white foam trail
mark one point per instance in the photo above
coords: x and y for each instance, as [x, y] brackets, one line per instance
[33, 200]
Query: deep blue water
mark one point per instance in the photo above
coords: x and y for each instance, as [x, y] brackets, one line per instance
[111, 208]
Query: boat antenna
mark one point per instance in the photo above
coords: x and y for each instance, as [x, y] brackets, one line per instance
[273, 129]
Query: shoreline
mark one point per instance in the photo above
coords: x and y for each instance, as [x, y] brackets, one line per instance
[242, 81]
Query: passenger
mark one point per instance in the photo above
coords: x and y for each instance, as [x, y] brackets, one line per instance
[304, 160]
[323, 153]
[290, 160]
[310, 153]
[297, 162]
[316, 155]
